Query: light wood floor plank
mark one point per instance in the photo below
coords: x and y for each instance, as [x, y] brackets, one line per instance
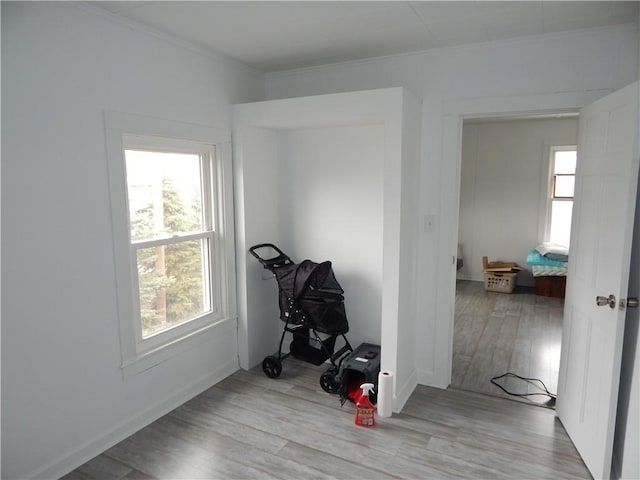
[249, 426]
[252, 427]
[496, 333]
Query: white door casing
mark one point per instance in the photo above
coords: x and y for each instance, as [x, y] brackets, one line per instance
[599, 263]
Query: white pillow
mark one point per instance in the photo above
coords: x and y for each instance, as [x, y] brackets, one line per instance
[547, 247]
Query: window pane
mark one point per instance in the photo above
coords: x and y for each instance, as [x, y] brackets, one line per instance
[565, 162]
[563, 186]
[173, 284]
[561, 222]
[165, 196]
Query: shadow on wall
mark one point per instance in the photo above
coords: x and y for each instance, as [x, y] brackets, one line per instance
[365, 322]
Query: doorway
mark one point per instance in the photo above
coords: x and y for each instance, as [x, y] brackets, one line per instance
[503, 214]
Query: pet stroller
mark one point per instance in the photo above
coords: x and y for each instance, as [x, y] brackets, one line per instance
[311, 305]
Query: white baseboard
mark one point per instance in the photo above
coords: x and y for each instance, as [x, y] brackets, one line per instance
[429, 379]
[471, 278]
[128, 427]
[403, 392]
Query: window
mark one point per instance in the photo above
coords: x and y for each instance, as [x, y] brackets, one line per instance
[171, 202]
[170, 198]
[562, 174]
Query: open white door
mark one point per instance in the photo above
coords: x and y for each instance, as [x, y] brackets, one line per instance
[599, 262]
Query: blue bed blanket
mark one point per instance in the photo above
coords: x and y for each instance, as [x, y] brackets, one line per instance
[535, 258]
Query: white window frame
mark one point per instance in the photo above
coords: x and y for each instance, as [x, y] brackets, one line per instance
[209, 185]
[549, 187]
[130, 131]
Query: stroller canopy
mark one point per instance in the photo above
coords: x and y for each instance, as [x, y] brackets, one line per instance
[315, 276]
[313, 288]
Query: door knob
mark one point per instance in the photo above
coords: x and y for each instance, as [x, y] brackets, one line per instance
[631, 302]
[602, 301]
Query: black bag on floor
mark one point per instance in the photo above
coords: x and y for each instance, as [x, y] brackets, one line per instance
[360, 366]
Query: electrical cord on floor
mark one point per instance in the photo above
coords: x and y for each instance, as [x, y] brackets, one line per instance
[552, 396]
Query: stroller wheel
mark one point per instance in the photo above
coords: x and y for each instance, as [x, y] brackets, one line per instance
[328, 381]
[272, 366]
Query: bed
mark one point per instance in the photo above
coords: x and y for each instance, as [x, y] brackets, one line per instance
[549, 271]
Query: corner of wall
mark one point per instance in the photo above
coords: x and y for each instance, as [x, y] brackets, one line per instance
[403, 392]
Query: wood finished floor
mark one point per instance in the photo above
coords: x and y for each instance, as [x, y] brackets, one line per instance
[252, 427]
[495, 333]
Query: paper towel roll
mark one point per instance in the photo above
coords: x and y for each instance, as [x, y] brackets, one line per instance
[385, 393]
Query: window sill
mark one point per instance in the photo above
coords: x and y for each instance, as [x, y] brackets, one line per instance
[150, 359]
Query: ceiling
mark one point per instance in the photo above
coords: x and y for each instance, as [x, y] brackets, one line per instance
[272, 36]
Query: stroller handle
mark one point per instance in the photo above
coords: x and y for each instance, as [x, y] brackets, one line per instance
[282, 258]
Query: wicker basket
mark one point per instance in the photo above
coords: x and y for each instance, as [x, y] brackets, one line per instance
[499, 282]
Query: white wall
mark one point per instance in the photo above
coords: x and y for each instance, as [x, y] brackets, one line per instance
[408, 290]
[565, 71]
[541, 74]
[347, 170]
[256, 176]
[316, 193]
[503, 189]
[331, 184]
[64, 399]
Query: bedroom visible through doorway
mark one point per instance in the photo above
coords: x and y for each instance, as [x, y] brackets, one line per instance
[506, 200]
